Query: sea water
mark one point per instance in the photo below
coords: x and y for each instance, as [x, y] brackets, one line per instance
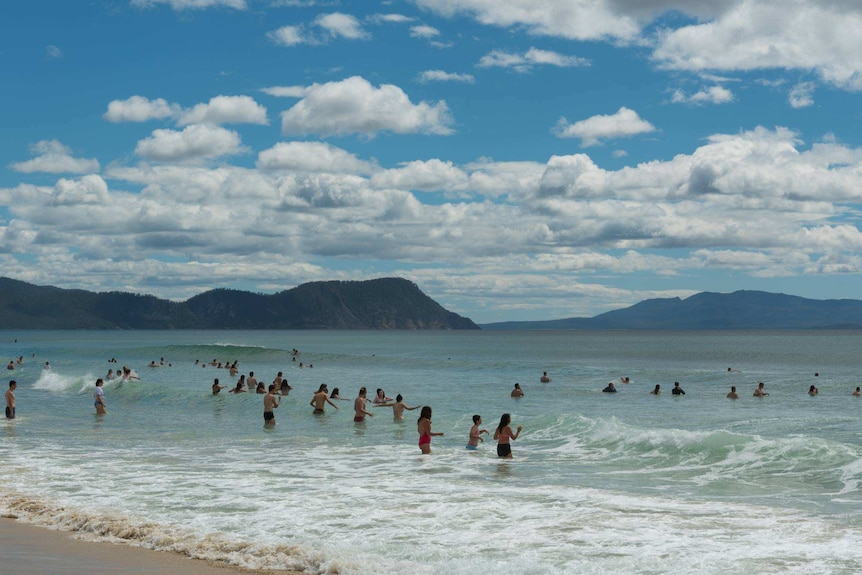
[599, 483]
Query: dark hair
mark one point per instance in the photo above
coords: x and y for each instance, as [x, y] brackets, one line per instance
[476, 418]
[13, 382]
[215, 381]
[321, 388]
[504, 421]
[425, 413]
[334, 392]
[380, 392]
[398, 397]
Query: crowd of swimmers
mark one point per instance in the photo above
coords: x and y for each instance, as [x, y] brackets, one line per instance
[279, 387]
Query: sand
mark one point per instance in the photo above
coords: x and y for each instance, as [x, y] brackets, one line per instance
[30, 550]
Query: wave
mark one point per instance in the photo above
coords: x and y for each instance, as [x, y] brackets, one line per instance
[213, 547]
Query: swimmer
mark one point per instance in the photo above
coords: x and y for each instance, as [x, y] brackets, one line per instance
[11, 365]
[503, 434]
[238, 389]
[423, 425]
[251, 381]
[517, 392]
[270, 403]
[260, 388]
[760, 392]
[610, 388]
[858, 392]
[732, 394]
[359, 412]
[320, 399]
[216, 387]
[398, 407]
[625, 379]
[99, 397]
[545, 378]
[10, 400]
[475, 436]
[110, 375]
[335, 395]
[47, 365]
[381, 398]
[656, 391]
[813, 391]
[677, 390]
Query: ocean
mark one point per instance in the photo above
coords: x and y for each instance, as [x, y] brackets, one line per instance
[600, 483]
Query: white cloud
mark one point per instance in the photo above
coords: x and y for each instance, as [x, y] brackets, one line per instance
[324, 28]
[192, 4]
[289, 36]
[788, 34]
[54, 158]
[624, 124]
[53, 52]
[341, 25]
[526, 61]
[225, 110]
[285, 91]
[711, 95]
[441, 76]
[424, 31]
[354, 106]
[431, 175]
[802, 95]
[391, 19]
[140, 109]
[311, 157]
[578, 20]
[195, 142]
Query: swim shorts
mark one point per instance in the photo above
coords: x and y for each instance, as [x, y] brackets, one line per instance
[471, 447]
[268, 416]
[10, 412]
[504, 450]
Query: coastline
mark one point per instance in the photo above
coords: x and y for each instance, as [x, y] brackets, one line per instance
[27, 549]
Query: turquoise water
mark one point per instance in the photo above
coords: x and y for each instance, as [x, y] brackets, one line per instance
[624, 483]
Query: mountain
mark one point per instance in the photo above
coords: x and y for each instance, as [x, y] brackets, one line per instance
[704, 311]
[387, 303]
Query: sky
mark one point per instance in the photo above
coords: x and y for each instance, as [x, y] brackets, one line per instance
[516, 159]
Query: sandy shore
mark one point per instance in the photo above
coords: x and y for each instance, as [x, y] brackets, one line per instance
[30, 550]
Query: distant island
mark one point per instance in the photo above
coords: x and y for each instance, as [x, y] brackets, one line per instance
[739, 310]
[387, 303]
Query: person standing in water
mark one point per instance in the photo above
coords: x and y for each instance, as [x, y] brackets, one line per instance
[476, 434]
[320, 399]
[423, 425]
[99, 397]
[359, 411]
[216, 387]
[10, 400]
[270, 404]
[503, 434]
[398, 407]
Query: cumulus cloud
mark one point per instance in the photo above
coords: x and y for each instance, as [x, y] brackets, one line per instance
[55, 158]
[430, 175]
[53, 52]
[529, 59]
[341, 25]
[788, 34]
[442, 76]
[354, 106]
[225, 110]
[802, 95]
[195, 142]
[140, 109]
[624, 124]
[324, 28]
[424, 31]
[311, 157]
[594, 20]
[711, 95]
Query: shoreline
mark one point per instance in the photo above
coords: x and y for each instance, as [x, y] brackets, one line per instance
[27, 549]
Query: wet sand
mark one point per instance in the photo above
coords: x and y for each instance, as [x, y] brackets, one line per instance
[30, 550]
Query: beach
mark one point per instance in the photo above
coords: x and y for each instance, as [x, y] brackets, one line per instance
[31, 550]
[626, 482]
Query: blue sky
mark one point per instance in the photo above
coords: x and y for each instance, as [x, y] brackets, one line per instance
[517, 159]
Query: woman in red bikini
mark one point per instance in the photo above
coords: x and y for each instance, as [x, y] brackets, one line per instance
[424, 427]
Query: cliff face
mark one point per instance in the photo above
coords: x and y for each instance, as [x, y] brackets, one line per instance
[388, 303]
